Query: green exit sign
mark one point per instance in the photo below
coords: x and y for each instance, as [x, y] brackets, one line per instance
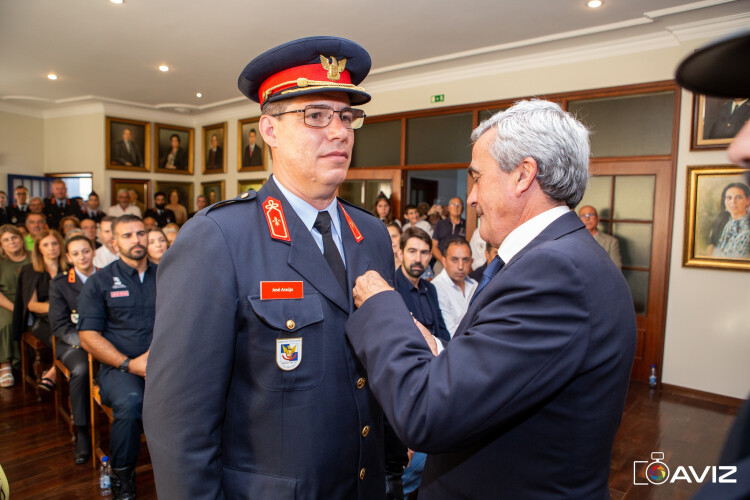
[437, 98]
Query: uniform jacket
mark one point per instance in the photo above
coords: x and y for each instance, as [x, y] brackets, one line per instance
[167, 216]
[55, 214]
[222, 419]
[525, 400]
[16, 215]
[63, 301]
[97, 215]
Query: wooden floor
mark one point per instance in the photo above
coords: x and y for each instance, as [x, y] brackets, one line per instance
[37, 455]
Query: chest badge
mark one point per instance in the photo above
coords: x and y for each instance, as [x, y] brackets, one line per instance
[276, 220]
[355, 231]
[288, 353]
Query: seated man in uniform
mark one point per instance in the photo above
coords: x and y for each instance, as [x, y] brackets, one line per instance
[115, 323]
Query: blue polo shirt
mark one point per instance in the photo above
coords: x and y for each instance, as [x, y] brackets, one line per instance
[115, 302]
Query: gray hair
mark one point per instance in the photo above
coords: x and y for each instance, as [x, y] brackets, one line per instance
[555, 139]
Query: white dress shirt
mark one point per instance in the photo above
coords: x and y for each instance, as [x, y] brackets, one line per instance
[422, 224]
[453, 301]
[523, 234]
[117, 211]
[103, 257]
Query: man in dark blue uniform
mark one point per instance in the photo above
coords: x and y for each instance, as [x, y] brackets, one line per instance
[59, 205]
[160, 213]
[253, 390]
[115, 323]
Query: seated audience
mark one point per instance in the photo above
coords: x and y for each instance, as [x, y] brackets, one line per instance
[150, 223]
[107, 253]
[63, 318]
[36, 205]
[91, 209]
[160, 213]
[123, 205]
[88, 226]
[382, 210]
[67, 223]
[412, 220]
[157, 244]
[13, 256]
[453, 285]
[35, 224]
[32, 298]
[180, 212]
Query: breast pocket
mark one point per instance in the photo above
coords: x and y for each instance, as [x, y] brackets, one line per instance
[287, 342]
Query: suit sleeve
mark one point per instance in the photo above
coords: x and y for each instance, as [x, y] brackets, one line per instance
[190, 362]
[59, 315]
[524, 344]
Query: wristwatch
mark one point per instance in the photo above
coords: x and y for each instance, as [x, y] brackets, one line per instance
[124, 365]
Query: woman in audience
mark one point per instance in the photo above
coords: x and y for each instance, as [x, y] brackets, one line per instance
[730, 233]
[395, 231]
[47, 261]
[13, 256]
[68, 223]
[180, 212]
[382, 210]
[63, 318]
[157, 245]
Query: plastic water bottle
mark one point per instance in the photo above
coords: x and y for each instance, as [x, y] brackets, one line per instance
[652, 377]
[105, 488]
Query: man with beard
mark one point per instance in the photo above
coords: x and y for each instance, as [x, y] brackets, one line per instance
[161, 214]
[115, 323]
[419, 295]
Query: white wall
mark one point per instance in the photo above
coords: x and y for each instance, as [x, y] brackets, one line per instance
[21, 145]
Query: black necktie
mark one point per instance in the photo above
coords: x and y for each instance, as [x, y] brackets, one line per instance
[492, 269]
[330, 251]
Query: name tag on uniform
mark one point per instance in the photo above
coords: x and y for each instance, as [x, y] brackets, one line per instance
[274, 290]
[120, 293]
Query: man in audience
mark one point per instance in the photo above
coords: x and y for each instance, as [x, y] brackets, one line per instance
[17, 212]
[201, 202]
[453, 226]
[534, 382]
[36, 206]
[59, 205]
[275, 405]
[123, 206]
[134, 201]
[91, 210]
[490, 251]
[453, 285]
[419, 294]
[35, 224]
[88, 226]
[412, 218]
[150, 223]
[590, 218]
[115, 323]
[107, 253]
[160, 213]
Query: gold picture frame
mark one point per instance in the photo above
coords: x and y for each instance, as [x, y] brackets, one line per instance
[169, 160]
[128, 145]
[256, 160]
[247, 184]
[216, 188]
[184, 190]
[715, 122]
[214, 158]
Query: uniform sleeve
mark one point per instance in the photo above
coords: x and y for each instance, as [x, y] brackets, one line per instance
[92, 311]
[190, 362]
[524, 345]
[59, 315]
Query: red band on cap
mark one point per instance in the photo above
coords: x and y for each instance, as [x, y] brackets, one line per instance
[309, 71]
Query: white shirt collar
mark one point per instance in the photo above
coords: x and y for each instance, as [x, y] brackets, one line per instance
[523, 234]
[82, 276]
[308, 213]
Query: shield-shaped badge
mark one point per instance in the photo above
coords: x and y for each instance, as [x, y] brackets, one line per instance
[289, 353]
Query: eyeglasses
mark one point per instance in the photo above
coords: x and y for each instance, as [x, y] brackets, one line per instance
[587, 216]
[320, 116]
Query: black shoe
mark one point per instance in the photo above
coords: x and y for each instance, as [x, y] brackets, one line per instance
[123, 483]
[82, 451]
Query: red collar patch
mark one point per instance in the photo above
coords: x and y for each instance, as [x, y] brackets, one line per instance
[355, 232]
[276, 220]
[72, 275]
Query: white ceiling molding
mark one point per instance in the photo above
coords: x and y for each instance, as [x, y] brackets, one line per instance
[550, 58]
[21, 110]
[711, 28]
[684, 8]
[514, 45]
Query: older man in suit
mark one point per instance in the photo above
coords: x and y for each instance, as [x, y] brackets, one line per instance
[276, 405]
[525, 400]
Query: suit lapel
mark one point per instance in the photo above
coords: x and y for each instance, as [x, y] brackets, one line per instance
[357, 261]
[304, 255]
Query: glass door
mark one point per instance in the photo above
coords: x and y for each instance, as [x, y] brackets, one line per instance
[363, 185]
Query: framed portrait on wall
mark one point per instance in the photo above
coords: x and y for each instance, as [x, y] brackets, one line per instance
[184, 193]
[174, 149]
[141, 186]
[252, 150]
[248, 184]
[214, 148]
[717, 218]
[213, 191]
[716, 120]
[128, 144]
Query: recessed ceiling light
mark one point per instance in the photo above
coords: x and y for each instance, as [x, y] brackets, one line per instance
[198, 95]
[118, 2]
[164, 68]
[52, 76]
[593, 4]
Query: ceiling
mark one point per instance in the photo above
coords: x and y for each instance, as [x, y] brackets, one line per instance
[104, 52]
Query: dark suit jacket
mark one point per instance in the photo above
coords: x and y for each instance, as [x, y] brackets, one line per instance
[16, 216]
[180, 159]
[218, 159]
[167, 216]
[121, 156]
[526, 398]
[254, 160]
[240, 426]
[55, 214]
[726, 124]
